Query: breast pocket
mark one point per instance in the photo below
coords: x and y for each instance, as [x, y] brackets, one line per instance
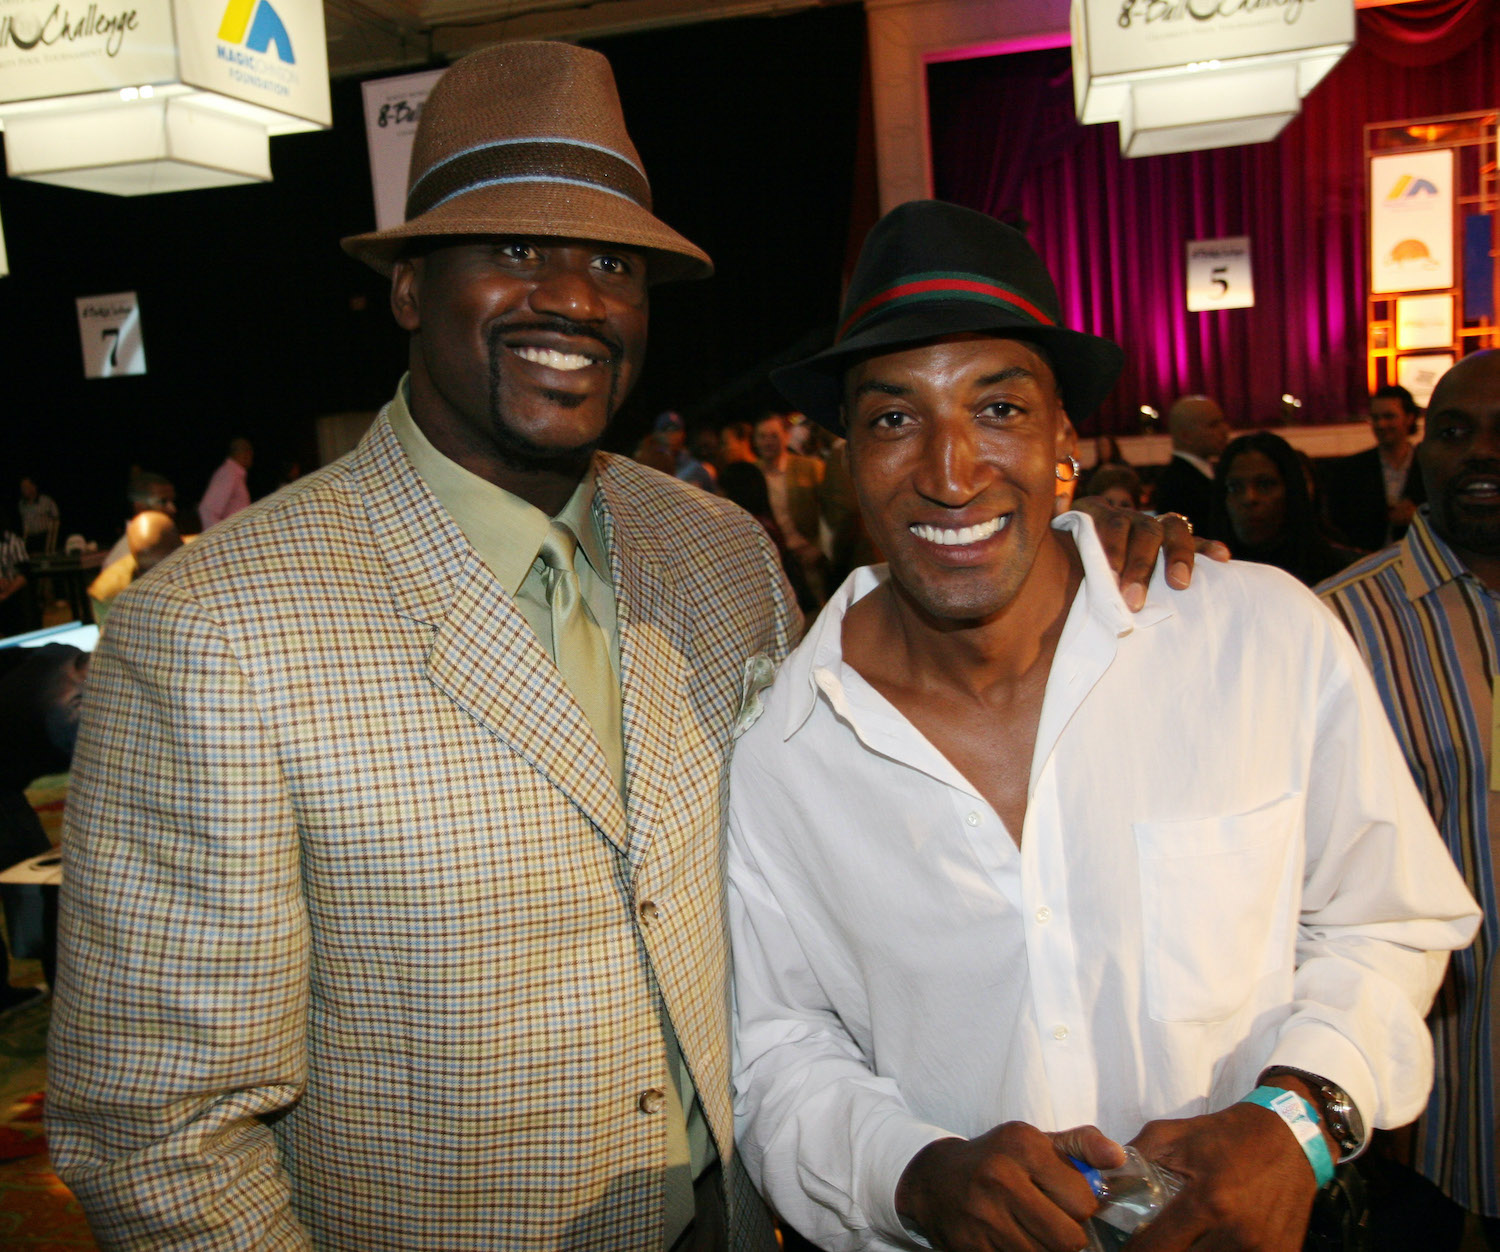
[1216, 912]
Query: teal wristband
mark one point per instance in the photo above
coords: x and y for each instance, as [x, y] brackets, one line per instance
[1302, 1119]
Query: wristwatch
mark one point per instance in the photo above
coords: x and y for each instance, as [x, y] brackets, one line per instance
[1335, 1109]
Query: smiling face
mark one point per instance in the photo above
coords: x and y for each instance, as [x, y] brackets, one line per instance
[522, 349]
[1460, 457]
[953, 447]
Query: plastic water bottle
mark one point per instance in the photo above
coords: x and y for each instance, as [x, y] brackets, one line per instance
[1130, 1196]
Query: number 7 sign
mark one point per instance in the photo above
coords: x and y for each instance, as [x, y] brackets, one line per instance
[110, 330]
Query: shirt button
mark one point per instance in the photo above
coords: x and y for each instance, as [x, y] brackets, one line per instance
[1044, 915]
[973, 819]
[652, 1100]
[1059, 1033]
[648, 910]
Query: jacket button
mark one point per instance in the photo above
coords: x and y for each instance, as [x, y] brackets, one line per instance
[652, 1100]
[648, 910]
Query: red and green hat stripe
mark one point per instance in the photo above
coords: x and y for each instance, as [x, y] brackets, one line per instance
[944, 285]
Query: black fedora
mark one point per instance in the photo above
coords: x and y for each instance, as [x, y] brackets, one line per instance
[930, 269]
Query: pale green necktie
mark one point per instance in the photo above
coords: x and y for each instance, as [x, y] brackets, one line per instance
[579, 648]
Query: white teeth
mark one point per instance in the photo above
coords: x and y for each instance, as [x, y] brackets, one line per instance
[955, 538]
[551, 357]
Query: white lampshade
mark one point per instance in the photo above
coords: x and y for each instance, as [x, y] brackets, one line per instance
[1179, 82]
[184, 96]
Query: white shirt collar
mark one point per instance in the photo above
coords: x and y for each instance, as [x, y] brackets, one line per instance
[815, 665]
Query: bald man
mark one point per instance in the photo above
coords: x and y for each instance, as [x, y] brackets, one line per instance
[1199, 433]
[151, 537]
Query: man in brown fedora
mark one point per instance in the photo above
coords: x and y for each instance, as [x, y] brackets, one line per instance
[411, 937]
[977, 928]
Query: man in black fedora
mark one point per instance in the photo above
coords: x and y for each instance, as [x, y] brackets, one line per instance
[412, 937]
[980, 922]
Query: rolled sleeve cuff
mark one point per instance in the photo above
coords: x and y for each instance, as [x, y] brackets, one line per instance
[1319, 1049]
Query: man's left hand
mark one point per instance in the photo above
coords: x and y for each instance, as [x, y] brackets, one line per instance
[1247, 1183]
[1131, 541]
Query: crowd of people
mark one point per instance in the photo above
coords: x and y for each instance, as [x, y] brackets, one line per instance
[484, 845]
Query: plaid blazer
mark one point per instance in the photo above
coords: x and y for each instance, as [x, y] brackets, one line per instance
[360, 948]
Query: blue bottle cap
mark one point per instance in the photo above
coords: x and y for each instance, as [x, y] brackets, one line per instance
[1091, 1175]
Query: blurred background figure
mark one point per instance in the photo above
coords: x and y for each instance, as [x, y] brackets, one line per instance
[41, 692]
[39, 518]
[1107, 452]
[227, 493]
[147, 492]
[743, 483]
[736, 444]
[1117, 483]
[1199, 432]
[17, 607]
[1369, 498]
[798, 502]
[150, 537]
[1271, 517]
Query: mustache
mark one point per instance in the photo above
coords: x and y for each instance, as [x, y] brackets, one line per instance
[559, 326]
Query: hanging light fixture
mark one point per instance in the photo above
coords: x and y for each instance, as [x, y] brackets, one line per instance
[169, 95]
[1182, 75]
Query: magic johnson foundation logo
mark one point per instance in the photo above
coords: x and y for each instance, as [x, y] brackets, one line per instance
[255, 42]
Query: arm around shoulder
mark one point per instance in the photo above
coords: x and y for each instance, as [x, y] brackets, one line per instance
[179, 1021]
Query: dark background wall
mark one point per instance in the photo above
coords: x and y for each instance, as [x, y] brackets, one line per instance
[255, 323]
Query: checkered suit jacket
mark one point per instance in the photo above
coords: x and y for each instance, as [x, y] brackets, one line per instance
[360, 948]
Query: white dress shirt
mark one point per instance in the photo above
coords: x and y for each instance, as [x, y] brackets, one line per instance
[1224, 865]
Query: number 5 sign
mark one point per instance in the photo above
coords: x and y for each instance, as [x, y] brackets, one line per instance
[110, 327]
[1218, 274]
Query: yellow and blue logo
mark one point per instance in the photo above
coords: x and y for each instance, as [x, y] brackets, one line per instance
[257, 25]
[1408, 188]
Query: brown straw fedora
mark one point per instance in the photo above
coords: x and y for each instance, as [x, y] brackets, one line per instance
[529, 139]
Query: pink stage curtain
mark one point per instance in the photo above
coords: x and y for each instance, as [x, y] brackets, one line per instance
[1113, 230]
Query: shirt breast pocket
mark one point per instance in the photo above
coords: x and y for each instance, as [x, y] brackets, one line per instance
[1217, 915]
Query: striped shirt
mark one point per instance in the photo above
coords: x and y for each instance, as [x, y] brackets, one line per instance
[1430, 632]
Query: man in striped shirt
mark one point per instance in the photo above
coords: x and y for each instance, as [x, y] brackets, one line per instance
[1425, 613]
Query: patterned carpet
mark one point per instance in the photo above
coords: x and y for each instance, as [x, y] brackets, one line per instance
[37, 1213]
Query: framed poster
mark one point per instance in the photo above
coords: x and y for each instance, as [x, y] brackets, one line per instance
[1218, 274]
[1411, 221]
[1424, 322]
[1419, 373]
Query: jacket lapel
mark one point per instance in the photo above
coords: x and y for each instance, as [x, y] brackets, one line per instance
[483, 655]
[655, 626]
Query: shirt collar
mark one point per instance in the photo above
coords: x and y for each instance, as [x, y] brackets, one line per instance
[1104, 608]
[503, 529]
[1197, 462]
[1429, 563]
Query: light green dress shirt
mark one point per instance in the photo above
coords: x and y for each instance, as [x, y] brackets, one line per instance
[507, 533]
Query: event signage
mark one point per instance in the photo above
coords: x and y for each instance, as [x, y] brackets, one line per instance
[110, 328]
[1218, 274]
[1411, 221]
[157, 95]
[1424, 322]
[53, 48]
[247, 50]
[1419, 373]
[1181, 75]
[393, 106]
